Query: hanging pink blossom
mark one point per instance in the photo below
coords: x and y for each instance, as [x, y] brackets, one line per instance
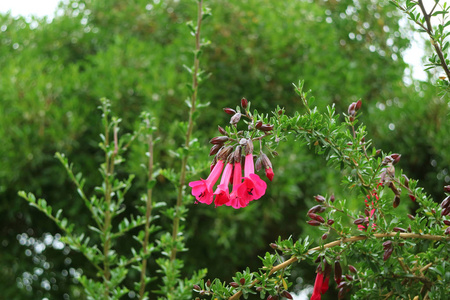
[203, 189]
[236, 201]
[222, 192]
[253, 187]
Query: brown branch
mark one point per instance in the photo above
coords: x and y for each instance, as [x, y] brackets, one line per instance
[347, 240]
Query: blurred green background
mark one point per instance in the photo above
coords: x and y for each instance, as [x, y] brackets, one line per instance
[133, 52]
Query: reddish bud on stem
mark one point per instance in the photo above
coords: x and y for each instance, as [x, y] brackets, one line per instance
[396, 201]
[242, 281]
[314, 223]
[244, 103]
[316, 217]
[387, 253]
[319, 198]
[330, 222]
[234, 284]
[229, 111]
[286, 295]
[235, 118]
[337, 271]
[399, 229]
[266, 127]
[196, 287]
[222, 131]
[218, 140]
[352, 269]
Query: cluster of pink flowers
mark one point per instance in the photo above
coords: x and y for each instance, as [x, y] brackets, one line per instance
[244, 189]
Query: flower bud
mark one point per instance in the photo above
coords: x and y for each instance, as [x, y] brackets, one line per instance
[412, 198]
[197, 287]
[324, 236]
[447, 231]
[387, 253]
[280, 111]
[234, 284]
[258, 164]
[269, 174]
[218, 140]
[445, 211]
[447, 188]
[224, 152]
[349, 277]
[447, 222]
[237, 154]
[411, 217]
[215, 149]
[259, 288]
[244, 103]
[258, 124]
[387, 244]
[222, 131]
[273, 246]
[286, 295]
[248, 146]
[316, 217]
[342, 284]
[352, 269]
[337, 271]
[235, 118]
[396, 157]
[446, 202]
[351, 109]
[399, 229]
[396, 201]
[266, 127]
[319, 198]
[208, 283]
[358, 221]
[332, 198]
[315, 209]
[314, 223]
[358, 105]
[229, 111]
[242, 281]
[330, 222]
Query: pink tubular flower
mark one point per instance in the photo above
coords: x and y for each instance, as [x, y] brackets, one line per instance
[253, 187]
[269, 173]
[202, 189]
[222, 192]
[236, 200]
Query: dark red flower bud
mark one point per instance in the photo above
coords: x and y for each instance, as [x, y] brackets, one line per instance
[412, 198]
[235, 118]
[273, 245]
[234, 284]
[396, 157]
[445, 212]
[396, 201]
[280, 111]
[244, 103]
[351, 109]
[387, 253]
[352, 269]
[332, 198]
[222, 131]
[358, 105]
[324, 236]
[266, 127]
[316, 217]
[218, 140]
[387, 244]
[358, 221]
[433, 211]
[259, 288]
[215, 149]
[349, 277]
[229, 111]
[399, 229]
[445, 203]
[258, 124]
[342, 284]
[330, 222]
[447, 222]
[286, 295]
[447, 188]
[411, 217]
[319, 198]
[447, 231]
[366, 212]
[315, 209]
[224, 152]
[409, 229]
[314, 223]
[196, 287]
[337, 271]
[378, 152]
[208, 283]
[269, 174]
[242, 281]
